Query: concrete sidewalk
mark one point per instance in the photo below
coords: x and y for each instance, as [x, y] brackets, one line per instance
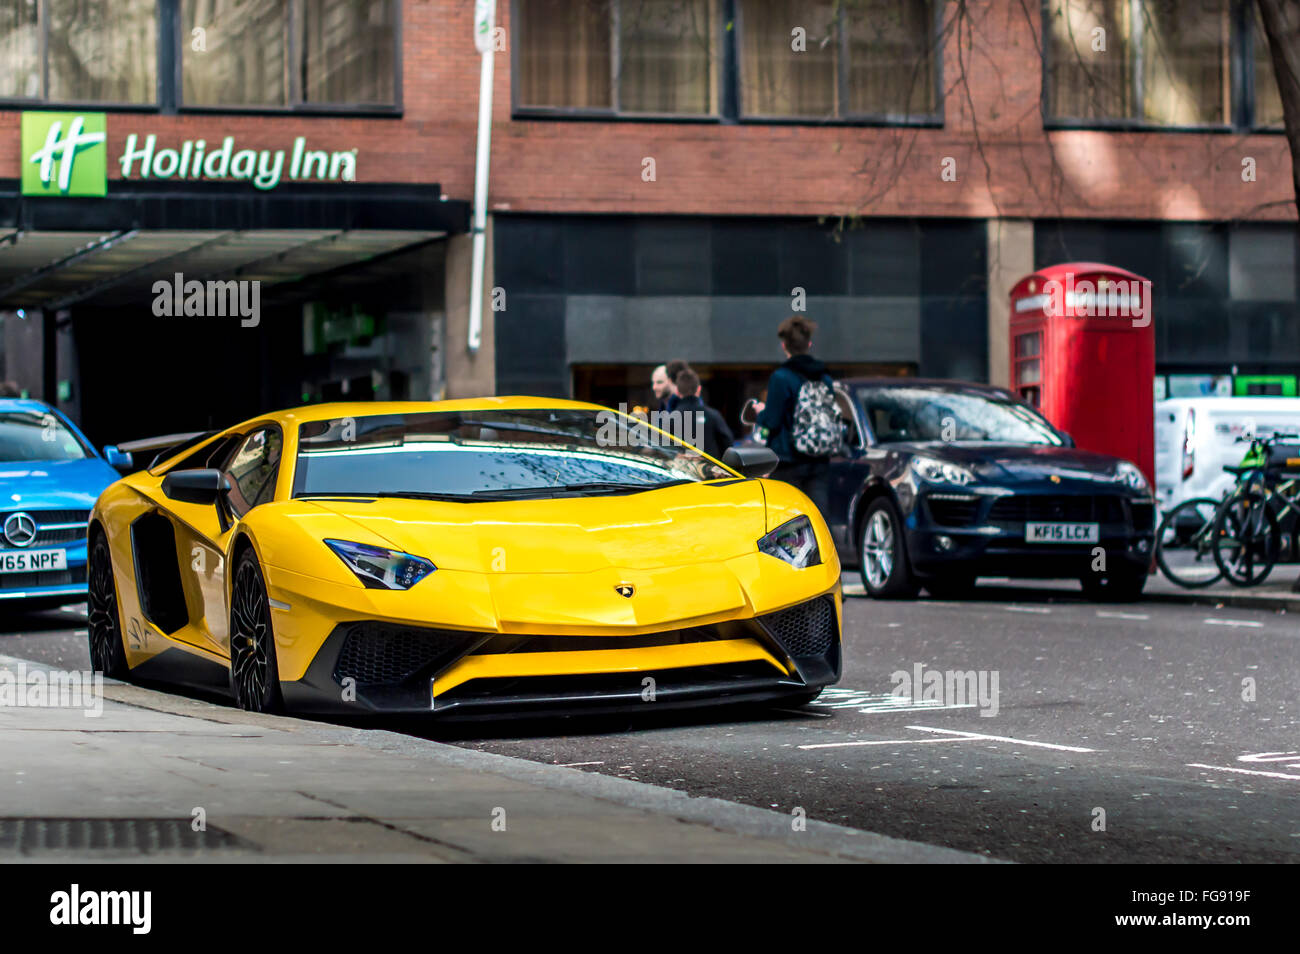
[282, 789]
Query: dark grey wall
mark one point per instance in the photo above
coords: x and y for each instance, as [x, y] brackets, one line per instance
[1223, 294]
[622, 289]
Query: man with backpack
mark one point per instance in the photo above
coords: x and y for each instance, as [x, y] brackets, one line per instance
[800, 415]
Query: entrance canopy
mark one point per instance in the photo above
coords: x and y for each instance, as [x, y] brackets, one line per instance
[59, 252]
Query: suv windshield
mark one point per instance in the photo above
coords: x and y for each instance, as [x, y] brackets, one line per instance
[483, 455]
[37, 436]
[898, 414]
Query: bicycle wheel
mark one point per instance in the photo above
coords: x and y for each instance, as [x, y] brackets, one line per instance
[1184, 550]
[1246, 540]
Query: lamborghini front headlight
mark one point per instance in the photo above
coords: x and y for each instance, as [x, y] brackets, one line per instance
[794, 542]
[380, 568]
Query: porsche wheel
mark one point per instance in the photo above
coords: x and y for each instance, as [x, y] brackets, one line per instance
[254, 673]
[882, 554]
[104, 622]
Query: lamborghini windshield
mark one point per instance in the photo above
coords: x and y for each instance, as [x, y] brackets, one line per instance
[486, 455]
[37, 436]
[900, 414]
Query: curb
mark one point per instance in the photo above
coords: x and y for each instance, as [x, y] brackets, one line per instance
[773, 828]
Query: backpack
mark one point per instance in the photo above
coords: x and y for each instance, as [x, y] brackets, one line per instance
[818, 429]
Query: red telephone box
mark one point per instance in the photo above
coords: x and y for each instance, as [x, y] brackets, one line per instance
[1083, 352]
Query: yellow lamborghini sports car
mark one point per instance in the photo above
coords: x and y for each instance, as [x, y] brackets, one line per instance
[487, 556]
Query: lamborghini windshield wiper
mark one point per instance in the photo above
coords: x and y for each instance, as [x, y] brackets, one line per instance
[580, 489]
[403, 494]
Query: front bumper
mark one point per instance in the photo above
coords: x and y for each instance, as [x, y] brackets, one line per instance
[985, 533]
[373, 666]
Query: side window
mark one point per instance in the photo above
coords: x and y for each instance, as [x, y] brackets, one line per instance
[253, 469]
[844, 402]
[211, 454]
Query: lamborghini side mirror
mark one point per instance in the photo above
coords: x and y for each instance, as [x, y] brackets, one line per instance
[204, 486]
[751, 461]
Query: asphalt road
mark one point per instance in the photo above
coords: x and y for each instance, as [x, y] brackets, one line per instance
[1136, 711]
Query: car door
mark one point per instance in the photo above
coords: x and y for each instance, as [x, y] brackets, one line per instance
[848, 470]
[251, 462]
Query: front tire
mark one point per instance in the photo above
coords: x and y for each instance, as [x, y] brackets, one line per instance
[254, 670]
[104, 620]
[882, 554]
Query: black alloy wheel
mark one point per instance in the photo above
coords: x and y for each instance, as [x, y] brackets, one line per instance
[254, 672]
[104, 633]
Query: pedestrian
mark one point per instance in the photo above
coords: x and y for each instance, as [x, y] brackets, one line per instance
[672, 369]
[800, 416]
[661, 385]
[709, 428]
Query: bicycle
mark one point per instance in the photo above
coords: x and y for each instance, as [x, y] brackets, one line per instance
[1238, 538]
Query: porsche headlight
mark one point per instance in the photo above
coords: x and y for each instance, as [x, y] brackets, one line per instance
[941, 472]
[1131, 476]
[794, 542]
[379, 568]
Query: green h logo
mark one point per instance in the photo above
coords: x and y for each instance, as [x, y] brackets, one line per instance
[65, 154]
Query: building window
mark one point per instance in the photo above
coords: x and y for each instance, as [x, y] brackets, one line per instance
[828, 59]
[795, 59]
[1268, 101]
[278, 54]
[624, 56]
[1156, 63]
[79, 51]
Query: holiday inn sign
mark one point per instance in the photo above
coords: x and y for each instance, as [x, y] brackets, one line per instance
[66, 154]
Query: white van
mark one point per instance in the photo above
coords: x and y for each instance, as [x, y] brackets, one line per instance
[1196, 437]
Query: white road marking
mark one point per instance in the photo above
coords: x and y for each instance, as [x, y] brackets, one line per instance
[1003, 738]
[1111, 614]
[869, 702]
[1242, 771]
[956, 736]
[1213, 621]
[1042, 610]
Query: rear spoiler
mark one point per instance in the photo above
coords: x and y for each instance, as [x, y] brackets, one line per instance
[168, 445]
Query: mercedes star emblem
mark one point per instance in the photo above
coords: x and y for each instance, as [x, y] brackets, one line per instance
[20, 529]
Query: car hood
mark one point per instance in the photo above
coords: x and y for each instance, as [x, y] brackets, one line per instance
[72, 484]
[1021, 463]
[687, 524]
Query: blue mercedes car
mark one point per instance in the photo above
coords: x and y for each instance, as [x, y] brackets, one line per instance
[50, 477]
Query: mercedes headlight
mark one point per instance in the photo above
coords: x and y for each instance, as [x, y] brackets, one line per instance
[380, 568]
[941, 472]
[794, 542]
[1131, 476]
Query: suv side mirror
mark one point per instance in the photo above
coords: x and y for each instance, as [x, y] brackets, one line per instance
[751, 461]
[119, 460]
[205, 486]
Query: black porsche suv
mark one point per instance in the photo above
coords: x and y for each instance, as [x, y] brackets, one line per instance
[943, 482]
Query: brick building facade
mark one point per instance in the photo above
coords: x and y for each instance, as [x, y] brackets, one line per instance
[904, 225]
